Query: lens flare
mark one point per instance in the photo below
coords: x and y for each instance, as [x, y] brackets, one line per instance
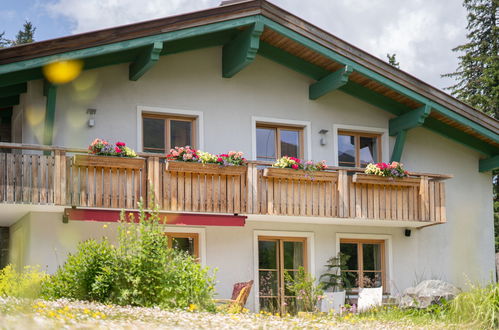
[62, 72]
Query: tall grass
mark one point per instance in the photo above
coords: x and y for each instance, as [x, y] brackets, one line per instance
[478, 307]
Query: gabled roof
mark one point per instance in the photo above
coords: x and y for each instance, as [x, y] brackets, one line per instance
[284, 38]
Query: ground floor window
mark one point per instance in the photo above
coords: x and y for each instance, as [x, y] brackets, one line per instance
[278, 256]
[366, 262]
[188, 242]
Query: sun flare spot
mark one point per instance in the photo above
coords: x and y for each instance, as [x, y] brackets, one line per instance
[62, 72]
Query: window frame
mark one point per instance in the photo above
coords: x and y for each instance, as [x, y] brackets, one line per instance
[357, 135]
[360, 259]
[277, 141]
[168, 118]
[194, 236]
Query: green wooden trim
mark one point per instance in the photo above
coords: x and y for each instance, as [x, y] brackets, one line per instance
[129, 44]
[5, 113]
[411, 119]
[460, 137]
[50, 91]
[241, 51]
[218, 38]
[488, 164]
[9, 101]
[20, 77]
[13, 90]
[330, 83]
[145, 61]
[373, 98]
[398, 148]
[292, 62]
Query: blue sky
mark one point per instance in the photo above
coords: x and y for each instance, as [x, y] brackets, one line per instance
[421, 32]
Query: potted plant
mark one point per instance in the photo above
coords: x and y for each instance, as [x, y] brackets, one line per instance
[335, 282]
[104, 154]
[294, 168]
[386, 174]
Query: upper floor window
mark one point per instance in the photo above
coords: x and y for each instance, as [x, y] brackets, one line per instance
[163, 132]
[357, 149]
[273, 142]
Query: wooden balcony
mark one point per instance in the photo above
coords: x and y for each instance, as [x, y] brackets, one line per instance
[70, 177]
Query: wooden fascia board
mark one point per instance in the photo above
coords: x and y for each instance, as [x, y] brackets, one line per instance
[488, 164]
[411, 119]
[144, 61]
[329, 83]
[377, 77]
[13, 90]
[9, 101]
[127, 44]
[241, 51]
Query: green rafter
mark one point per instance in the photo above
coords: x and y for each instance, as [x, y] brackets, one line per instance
[9, 101]
[488, 164]
[330, 83]
[241, 51]
[146, 60]
[408, 120]
[50, 92]
[13, 90]
[398, 148]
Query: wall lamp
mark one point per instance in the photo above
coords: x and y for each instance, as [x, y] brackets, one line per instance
[91, 117]
[323, 133]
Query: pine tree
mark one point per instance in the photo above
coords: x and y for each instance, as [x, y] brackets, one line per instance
[3, 41]
[477, 74]
[392, 60]
[26, 35]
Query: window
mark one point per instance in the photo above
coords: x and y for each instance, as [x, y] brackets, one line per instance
[273, 142]
[188, 242]
[366, 264]
[358, 149]
[161, 133]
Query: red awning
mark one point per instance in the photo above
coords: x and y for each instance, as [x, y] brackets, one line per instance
[168, 218]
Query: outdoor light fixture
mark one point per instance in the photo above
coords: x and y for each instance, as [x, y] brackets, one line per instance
[91, 117]
[323, 132]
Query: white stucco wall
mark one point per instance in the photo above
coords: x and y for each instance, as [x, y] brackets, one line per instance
[459, 251]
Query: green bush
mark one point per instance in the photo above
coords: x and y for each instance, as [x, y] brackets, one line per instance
[302, 286]
[479, 306]
[25, 284]
[141, 271]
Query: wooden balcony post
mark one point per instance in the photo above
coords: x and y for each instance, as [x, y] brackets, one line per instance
[59, 177]
[153, 181]
[343, 207]
[252, 179]
[424, 200]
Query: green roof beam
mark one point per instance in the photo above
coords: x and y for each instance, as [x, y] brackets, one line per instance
[50, 92]
[408, 120]
[488, 164]
[146, 60]
[330, 83]
[13, 90]
[9, 101]
[241, 51]
[398, 148]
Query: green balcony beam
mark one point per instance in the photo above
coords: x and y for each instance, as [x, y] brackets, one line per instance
[50, 92]
[13, 90]
[408, 120]
[9, 101]
[144, 61]
[241, 51]
[398, 148]
[488, 164]
[330, 83]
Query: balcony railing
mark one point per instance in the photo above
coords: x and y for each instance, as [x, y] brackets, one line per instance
[68, 177]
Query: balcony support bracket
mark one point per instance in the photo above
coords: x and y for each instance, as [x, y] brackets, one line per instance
[489, 164]
[144, 61]
[50, 92]
[241, 51]
[330, 83]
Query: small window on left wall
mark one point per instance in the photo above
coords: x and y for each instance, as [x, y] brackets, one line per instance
[187, 242]
[160, 133]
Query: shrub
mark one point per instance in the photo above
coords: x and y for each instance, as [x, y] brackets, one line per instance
[141, 271]
[303, 287]
[26, 284]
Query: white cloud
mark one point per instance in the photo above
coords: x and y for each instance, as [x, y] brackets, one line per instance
[421, 32]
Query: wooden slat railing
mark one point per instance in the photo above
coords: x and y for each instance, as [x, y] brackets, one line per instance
[30, 177]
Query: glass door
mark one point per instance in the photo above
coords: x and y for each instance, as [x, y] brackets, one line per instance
[278, 256]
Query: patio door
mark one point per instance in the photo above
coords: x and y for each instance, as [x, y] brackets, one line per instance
[278, 256]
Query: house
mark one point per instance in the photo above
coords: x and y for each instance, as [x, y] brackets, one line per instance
[251, 77]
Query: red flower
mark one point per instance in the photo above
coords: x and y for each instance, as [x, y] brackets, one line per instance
[117, 150]
[120, 144]
[294, 166]
[220, 160]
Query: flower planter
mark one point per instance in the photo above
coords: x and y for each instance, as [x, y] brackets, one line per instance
[200, 168]
[109, 161]
[291, 174]
[386, 181]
